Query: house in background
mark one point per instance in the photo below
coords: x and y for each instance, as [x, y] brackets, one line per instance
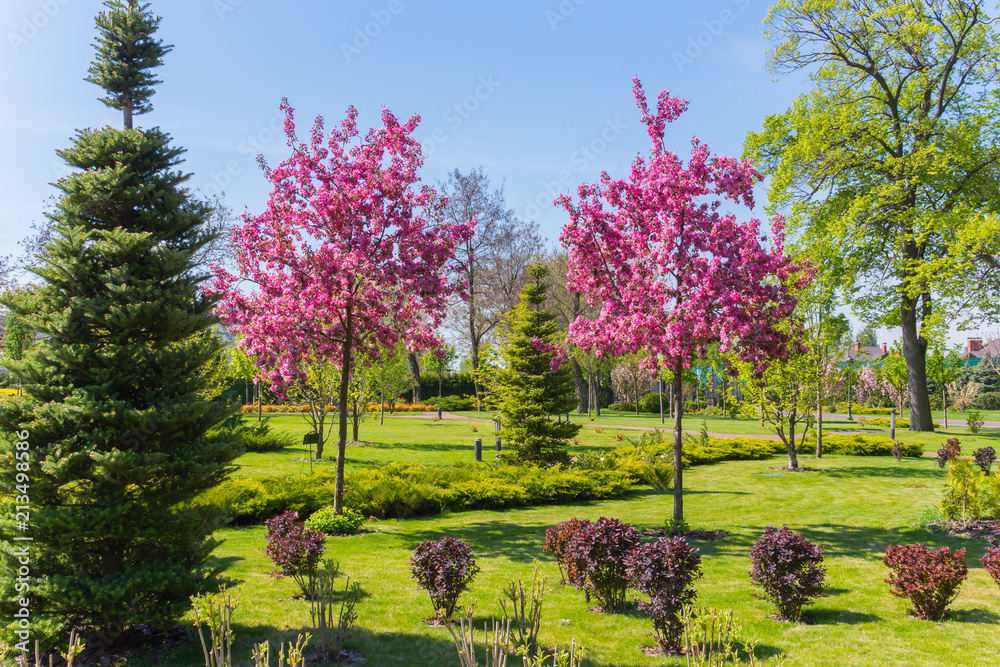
[975, 351]
[863, 354]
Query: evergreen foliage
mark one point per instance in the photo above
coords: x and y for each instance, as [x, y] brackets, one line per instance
[126, 55]
[534, 384]
[114, 413]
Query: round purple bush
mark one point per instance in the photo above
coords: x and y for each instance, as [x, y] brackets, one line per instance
[294, 548]
[951, 450]
[929, 578]
[984, 458]
[556, 543]
[598, 552]
[665, 571]
[444, 569]
[788, 568]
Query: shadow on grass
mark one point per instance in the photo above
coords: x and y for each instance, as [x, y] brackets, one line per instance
[977, 615]
[871, 543]
[841, 617]
[489, 539]
[891, 470]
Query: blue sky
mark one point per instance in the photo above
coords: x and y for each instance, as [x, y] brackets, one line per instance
[537, 92]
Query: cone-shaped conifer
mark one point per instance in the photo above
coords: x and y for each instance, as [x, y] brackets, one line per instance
[115, 430]
[535, 386]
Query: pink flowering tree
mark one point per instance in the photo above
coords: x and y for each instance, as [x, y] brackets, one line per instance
[671, 272]
[348, 258]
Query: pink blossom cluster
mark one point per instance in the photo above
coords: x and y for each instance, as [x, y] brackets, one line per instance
[670, 271]
[343, 256]
[558, 353]
[872, 389]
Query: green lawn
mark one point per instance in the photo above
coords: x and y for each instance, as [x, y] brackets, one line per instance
[854, 508]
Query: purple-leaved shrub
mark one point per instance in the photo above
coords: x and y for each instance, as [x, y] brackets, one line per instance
[991, 559]
[599, 552]
[444, 569]
[789, 570]
[930, 579]
[294, 548]
[951, 450]
[556, 543]
[985, 457]
[665, 570]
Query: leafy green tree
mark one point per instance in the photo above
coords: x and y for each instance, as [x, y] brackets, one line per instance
[390, 377]
[113, 417]
[440, 361]
[888, 166]
[535, 382]
[782, 396]
[893, 372]
[944, 368]
[318, 388]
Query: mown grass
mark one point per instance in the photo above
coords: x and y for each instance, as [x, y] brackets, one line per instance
[853, 507]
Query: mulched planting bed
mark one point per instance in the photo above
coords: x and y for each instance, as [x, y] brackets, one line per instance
[136, 642]
[698, 535]
[978, 528]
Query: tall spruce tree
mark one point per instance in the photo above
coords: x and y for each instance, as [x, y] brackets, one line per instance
[534, 386]
[118, 436]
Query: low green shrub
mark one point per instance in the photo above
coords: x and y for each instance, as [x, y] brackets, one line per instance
[252, 500]
[974, 420]
[452, 403]
[328, 522]
[862, 409]
[866, 445]
[621, 407]
[989, 400]
[649, 459]
[887, 422]
[405, 490]
[651, 403]
[256, 436]
[265, 440]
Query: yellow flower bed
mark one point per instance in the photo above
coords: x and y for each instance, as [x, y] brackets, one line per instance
[400, 407]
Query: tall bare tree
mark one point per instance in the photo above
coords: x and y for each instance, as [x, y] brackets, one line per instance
[494, 261]
[567, 306]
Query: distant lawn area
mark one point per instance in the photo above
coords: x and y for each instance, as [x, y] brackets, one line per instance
[446, 442]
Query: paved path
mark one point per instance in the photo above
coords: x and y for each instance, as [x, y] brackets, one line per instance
[445, 416]
[954, 418]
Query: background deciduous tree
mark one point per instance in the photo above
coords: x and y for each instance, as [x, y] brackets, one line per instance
[494, 260]
[889, 164]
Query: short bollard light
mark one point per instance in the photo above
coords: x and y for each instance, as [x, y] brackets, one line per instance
[479, 449]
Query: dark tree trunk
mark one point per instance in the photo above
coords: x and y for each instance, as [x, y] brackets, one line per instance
[318, 424]
[415, 372]
[582, 389]
[475, 372]
[915, 354]
[678, 449]
[793, 458]
[345, 379]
